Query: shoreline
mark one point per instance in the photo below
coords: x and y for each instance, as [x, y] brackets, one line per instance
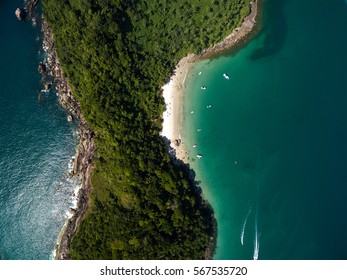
[172, 117]
[173, 91]
[82, 166]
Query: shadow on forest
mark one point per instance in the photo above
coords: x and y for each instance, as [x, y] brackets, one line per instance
[203, 205]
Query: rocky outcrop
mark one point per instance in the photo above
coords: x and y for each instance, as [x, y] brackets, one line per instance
[29, 9]
[47, 86]
[42, 68]
[30, 6]
[20, 14]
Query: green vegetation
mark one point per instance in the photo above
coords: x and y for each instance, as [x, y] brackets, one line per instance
[117, 55]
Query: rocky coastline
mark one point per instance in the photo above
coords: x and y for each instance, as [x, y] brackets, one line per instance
[237, 36]
[86, 148]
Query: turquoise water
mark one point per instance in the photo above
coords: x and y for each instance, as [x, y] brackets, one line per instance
[274, 141]
[36, 144]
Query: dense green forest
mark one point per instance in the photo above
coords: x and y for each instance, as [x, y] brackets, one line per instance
[117, 55]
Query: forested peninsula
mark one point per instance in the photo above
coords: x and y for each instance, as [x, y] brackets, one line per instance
[116, 56]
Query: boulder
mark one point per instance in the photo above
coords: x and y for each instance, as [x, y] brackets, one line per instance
[178, 142]
[42, 68]
[41, 96]
[47, 86]
[20, 14]
[30, 5]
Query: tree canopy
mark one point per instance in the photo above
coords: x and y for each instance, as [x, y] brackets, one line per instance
[116, 56]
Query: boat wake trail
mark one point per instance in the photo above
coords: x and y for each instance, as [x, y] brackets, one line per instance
[256, 241]
[244, 226]
[257, 235]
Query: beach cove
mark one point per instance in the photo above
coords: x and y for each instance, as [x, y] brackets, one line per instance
[273, 136]
[173, 91]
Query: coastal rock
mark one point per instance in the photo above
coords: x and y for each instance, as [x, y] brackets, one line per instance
[41, 96]
[20, 14]
[31, 5]
[47, 86]
[42, 68]
[72, 211]
[178, 142]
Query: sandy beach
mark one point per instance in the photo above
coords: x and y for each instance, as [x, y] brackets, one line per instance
[172, 117]
[174, 90]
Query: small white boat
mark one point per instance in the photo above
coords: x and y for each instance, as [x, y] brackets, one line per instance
[194, 145]
[226, 76]
[208, 106]
[203, 87]
[200, 73]
[192, 112]
[199, 129]
[199, 156]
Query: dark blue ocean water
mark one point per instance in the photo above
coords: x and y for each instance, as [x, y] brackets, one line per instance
[36, 144]
[274, 141]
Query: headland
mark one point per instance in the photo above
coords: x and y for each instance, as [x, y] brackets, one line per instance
[173, 91]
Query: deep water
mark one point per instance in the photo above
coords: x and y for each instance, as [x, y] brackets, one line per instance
[274, 141]
[36, 144]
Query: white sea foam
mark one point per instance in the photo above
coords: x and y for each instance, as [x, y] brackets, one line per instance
[53, 255]
[68, 214]
[70, 165]
[74, 203]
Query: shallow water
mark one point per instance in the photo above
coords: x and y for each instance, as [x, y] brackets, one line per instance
[274, 141]
[36, 144]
